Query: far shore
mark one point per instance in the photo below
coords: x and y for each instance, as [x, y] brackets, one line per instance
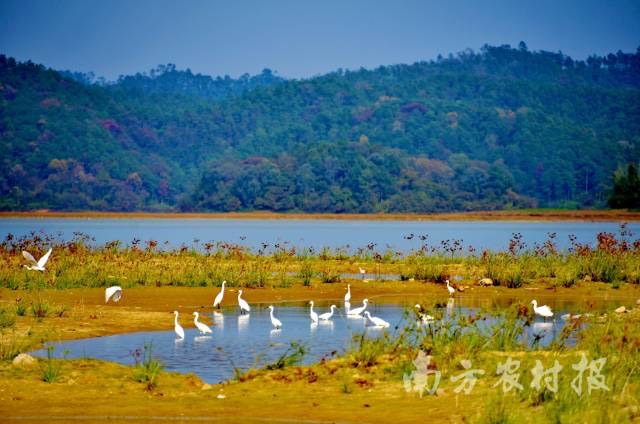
[511, 215]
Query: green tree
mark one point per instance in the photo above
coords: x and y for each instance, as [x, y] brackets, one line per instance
[626, 189]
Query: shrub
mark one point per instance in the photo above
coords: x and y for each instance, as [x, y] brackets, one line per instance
[306, 273]
[21, 309]
[365, 352]
[40, 308]
[293, 355]
[51, 370]
[148, 369]
[7, 320]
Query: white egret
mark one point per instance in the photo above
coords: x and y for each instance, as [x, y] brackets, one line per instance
[218, 300]
[347, 296]
[277, 324]
[244, 306]
[327, 315]
[544, 311]
[312, 315]
[358, 311]
[362, 272]
[36, 265]
[113, 292]
[378, 322]
[204, 328]
[177, 327]
[450, 289]
[423, 318]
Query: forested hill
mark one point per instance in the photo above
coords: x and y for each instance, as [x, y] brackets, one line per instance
[500, 128]
[168, 80]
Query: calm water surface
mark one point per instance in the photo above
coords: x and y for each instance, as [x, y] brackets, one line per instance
[311, 233]
[249, 341]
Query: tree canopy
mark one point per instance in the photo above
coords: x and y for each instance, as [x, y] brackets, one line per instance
[500, 128]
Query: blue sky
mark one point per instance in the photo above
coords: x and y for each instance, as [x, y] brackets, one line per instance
[299, 38]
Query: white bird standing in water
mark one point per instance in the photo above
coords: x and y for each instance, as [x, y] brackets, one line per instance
[312, 315]
[204, 328]
[36, 265]
[544, 311]
[362, 272]
[244, 306]
[218, 300]
[347, 296]
[275, 322]
[177, 327]
[358, 311]
[327, 315]
[450, 289]
[113, 292]
[378, 322]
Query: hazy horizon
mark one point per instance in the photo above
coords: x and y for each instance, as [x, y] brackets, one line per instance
[298, 39]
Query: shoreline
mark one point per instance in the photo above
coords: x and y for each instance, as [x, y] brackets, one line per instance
[516, 215]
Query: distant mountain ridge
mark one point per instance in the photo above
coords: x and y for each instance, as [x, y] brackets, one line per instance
[500, 128]
[166, 79]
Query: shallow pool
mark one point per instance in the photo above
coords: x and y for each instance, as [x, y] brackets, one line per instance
[248, 341]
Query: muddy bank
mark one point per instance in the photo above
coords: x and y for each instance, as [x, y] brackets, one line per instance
[523, 215]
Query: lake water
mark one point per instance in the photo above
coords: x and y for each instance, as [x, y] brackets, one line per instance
[312, 233]
[248, 341]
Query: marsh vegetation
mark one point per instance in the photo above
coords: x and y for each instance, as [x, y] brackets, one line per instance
[373, 372]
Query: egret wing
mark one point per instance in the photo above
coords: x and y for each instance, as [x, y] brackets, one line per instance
[43, 260]
[113, 291]
[28, 256]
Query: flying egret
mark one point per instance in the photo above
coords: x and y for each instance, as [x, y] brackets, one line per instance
[544, 311]
[347, 296]
[358, 311]
[244, 306]
[378, 322]
[450, 289]
[327, 315]
[312, 315]
[204, 328]
[277, 324]
[218, 299]
[424, 318]
[362, 272]
[36, 265]
[113, 292]
[177, 327]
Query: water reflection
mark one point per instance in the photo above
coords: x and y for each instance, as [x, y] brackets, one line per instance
[275, 332]
[218, 319]
[243, 323]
